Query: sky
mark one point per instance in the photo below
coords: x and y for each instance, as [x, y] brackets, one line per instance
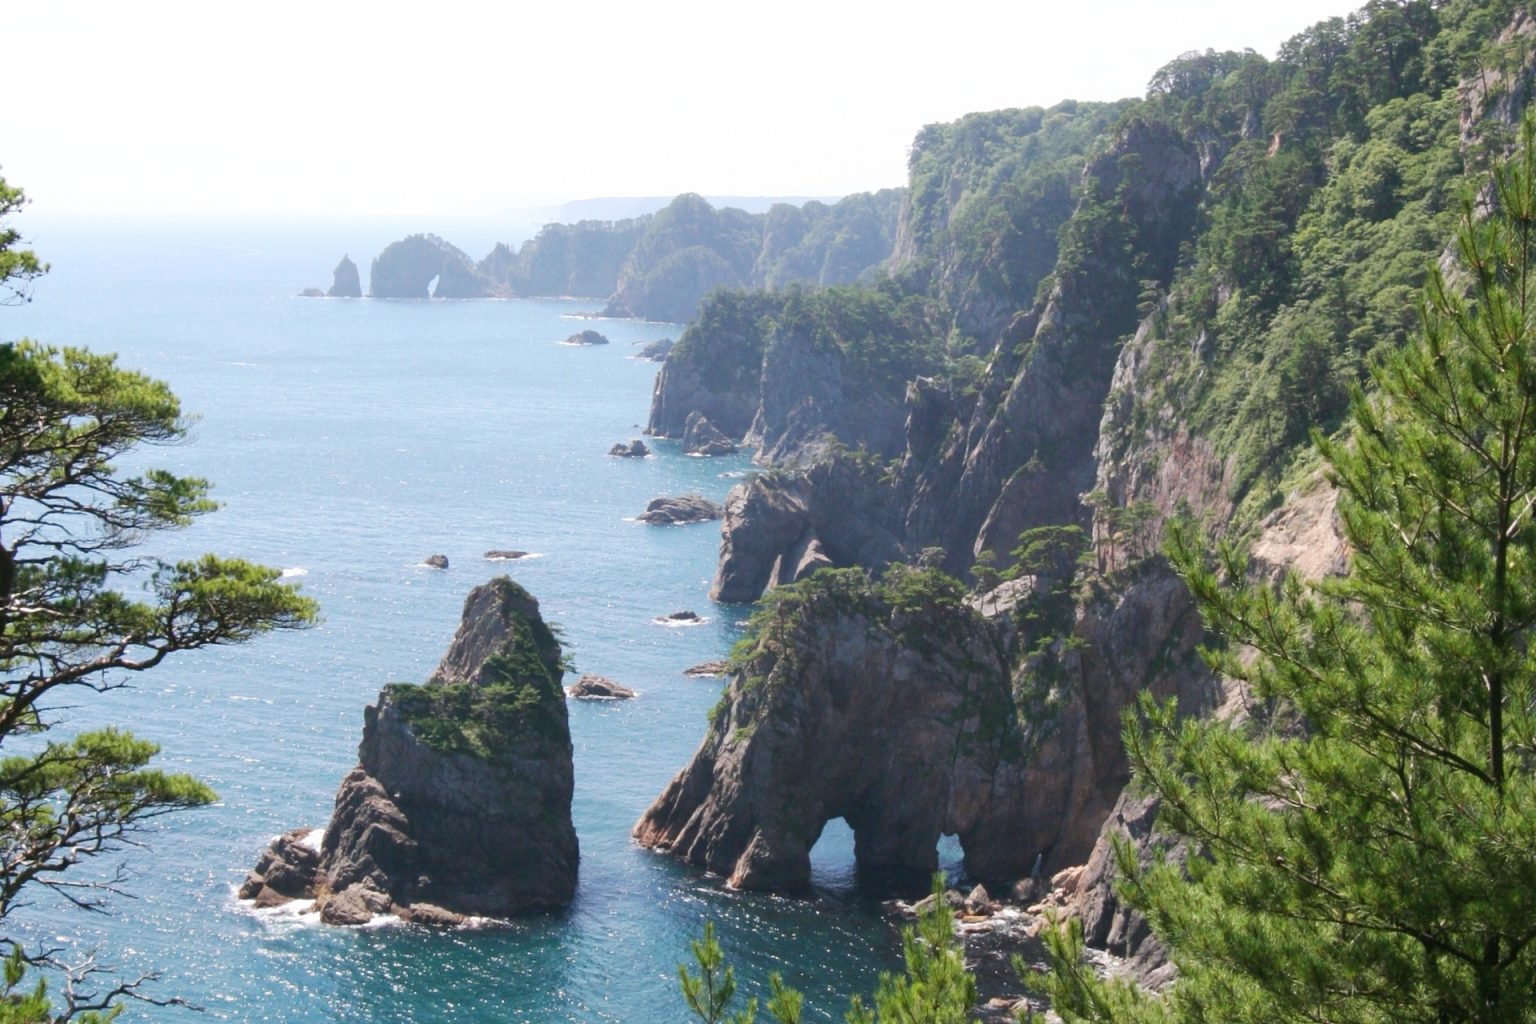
[453, 108]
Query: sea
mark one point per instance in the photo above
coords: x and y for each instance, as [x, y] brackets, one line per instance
[347, 440]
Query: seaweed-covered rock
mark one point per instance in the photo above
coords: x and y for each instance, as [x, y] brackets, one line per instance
[461, 801]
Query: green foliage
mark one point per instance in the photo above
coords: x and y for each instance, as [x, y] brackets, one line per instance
[70, 624]
[18, 267]
[709, 992]
[934, 988]
[1369, 830]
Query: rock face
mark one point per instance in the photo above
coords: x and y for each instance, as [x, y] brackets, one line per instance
[636, 449]
[587, 337]
[346, 283]
[590, 687]
[839, 713]
[701, 438]
[689, 508]
[407, 269]
[461, 802]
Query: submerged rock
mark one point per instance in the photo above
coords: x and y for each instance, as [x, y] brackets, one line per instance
[636, 449]
[587, 337]
[461, 801]
[679, 511]
[591, 687]
[346, 283]
[701, 438]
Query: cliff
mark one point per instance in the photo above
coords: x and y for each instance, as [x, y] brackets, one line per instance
[461, 801]
[1225, 259]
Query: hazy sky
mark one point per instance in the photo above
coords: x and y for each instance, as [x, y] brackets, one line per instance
[452, 108]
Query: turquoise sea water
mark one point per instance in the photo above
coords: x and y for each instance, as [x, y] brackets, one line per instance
[348, 440]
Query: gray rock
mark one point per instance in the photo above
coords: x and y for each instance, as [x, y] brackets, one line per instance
[708, 669]
[460, 803]
[586, 337]
[656, 351]
[701, 438]
[688, 508]
[591, 687]
[435, 561]
[847, 715]
[346, 283]
[503, 555]
[636, 449]
[312, 293]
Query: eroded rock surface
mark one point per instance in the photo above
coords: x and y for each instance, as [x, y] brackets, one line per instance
[855, 704]
[461, 801]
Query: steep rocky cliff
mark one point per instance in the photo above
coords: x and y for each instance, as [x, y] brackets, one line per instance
[1238, 248]
[461, 801]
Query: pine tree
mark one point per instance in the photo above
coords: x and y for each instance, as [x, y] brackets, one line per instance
[1366, 834]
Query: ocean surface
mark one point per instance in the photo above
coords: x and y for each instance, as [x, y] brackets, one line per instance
[347, 441]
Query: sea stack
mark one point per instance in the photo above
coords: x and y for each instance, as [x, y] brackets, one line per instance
[460, 804]
[348, 283]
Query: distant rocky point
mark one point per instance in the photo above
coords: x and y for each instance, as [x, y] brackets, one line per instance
[708, 668]
[679, 511]
[460, 805]
[587, 337]
[407, 269]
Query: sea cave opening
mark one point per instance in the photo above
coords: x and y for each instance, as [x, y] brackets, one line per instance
[832, 863]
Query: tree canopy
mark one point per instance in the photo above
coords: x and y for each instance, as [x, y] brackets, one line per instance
[82, 607]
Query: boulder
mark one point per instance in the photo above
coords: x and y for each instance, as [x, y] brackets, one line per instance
[435, 561]
[346, 283]
[688, 508]
[461, 801]
[503, 555]
[636, 449]
[587, 337]
[701, 438]
[591, 687]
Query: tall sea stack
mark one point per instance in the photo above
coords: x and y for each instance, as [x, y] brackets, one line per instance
[461, 801]
[347, 283]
